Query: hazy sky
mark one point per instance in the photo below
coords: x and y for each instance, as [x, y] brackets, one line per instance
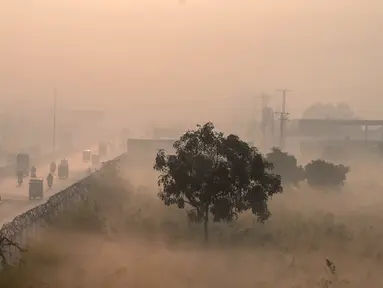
[161, 59]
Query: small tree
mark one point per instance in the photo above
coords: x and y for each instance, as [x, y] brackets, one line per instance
[216, 175]
[287, 166]
[322, 173]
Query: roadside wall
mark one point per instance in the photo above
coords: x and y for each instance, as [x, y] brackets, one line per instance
[29, 225]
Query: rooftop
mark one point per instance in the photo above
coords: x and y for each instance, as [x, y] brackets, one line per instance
[342, 122]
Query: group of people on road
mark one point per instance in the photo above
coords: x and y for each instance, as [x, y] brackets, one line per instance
[50, 177]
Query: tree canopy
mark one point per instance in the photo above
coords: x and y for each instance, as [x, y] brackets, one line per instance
[286, 166]
[216, 175]
[329, 110]
[322, 173]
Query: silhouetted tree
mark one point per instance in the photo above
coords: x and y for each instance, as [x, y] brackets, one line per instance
[322, 173]
[216, 175]
[286, 166]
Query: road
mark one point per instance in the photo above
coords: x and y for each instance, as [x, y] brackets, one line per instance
[15, 199]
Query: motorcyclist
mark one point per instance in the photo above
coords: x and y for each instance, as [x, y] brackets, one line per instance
[20, 175]
[53, 167]
[50, 179]
[33, 171]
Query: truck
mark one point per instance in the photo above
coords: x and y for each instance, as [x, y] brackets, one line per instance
[63, 169]
[86, 156]
[23, 163]
[102, 149]
[36, 188]
[95, 159]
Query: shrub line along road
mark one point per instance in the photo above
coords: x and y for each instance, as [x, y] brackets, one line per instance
[15, 199]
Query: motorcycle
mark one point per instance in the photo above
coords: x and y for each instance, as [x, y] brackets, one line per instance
[20, 180]
[20, 176]
[53, 167]
[33, 171]
[50, 181]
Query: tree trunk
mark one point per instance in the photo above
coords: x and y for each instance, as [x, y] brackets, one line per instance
[205, 224]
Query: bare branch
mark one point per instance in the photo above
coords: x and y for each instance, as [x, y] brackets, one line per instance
[4, 242]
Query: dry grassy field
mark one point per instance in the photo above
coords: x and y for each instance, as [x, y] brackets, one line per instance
[133, 240]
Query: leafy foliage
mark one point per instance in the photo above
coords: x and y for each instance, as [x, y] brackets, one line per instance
[286, 166]
[217, 175]
[322, 173]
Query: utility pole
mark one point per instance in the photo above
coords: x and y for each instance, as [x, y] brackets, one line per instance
[283, 118]
[54, 121]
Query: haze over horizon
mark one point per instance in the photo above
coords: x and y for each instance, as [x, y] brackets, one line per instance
[196, 60]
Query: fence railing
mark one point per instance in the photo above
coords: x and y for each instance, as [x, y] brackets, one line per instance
[15, 235]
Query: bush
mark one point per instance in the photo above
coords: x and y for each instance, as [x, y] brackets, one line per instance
[286, 166]
[322, 173]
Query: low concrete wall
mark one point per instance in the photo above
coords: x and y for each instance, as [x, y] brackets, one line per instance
[29, 225]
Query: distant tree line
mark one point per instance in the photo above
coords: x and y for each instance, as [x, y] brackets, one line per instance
[317, 173]
[329, 111]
